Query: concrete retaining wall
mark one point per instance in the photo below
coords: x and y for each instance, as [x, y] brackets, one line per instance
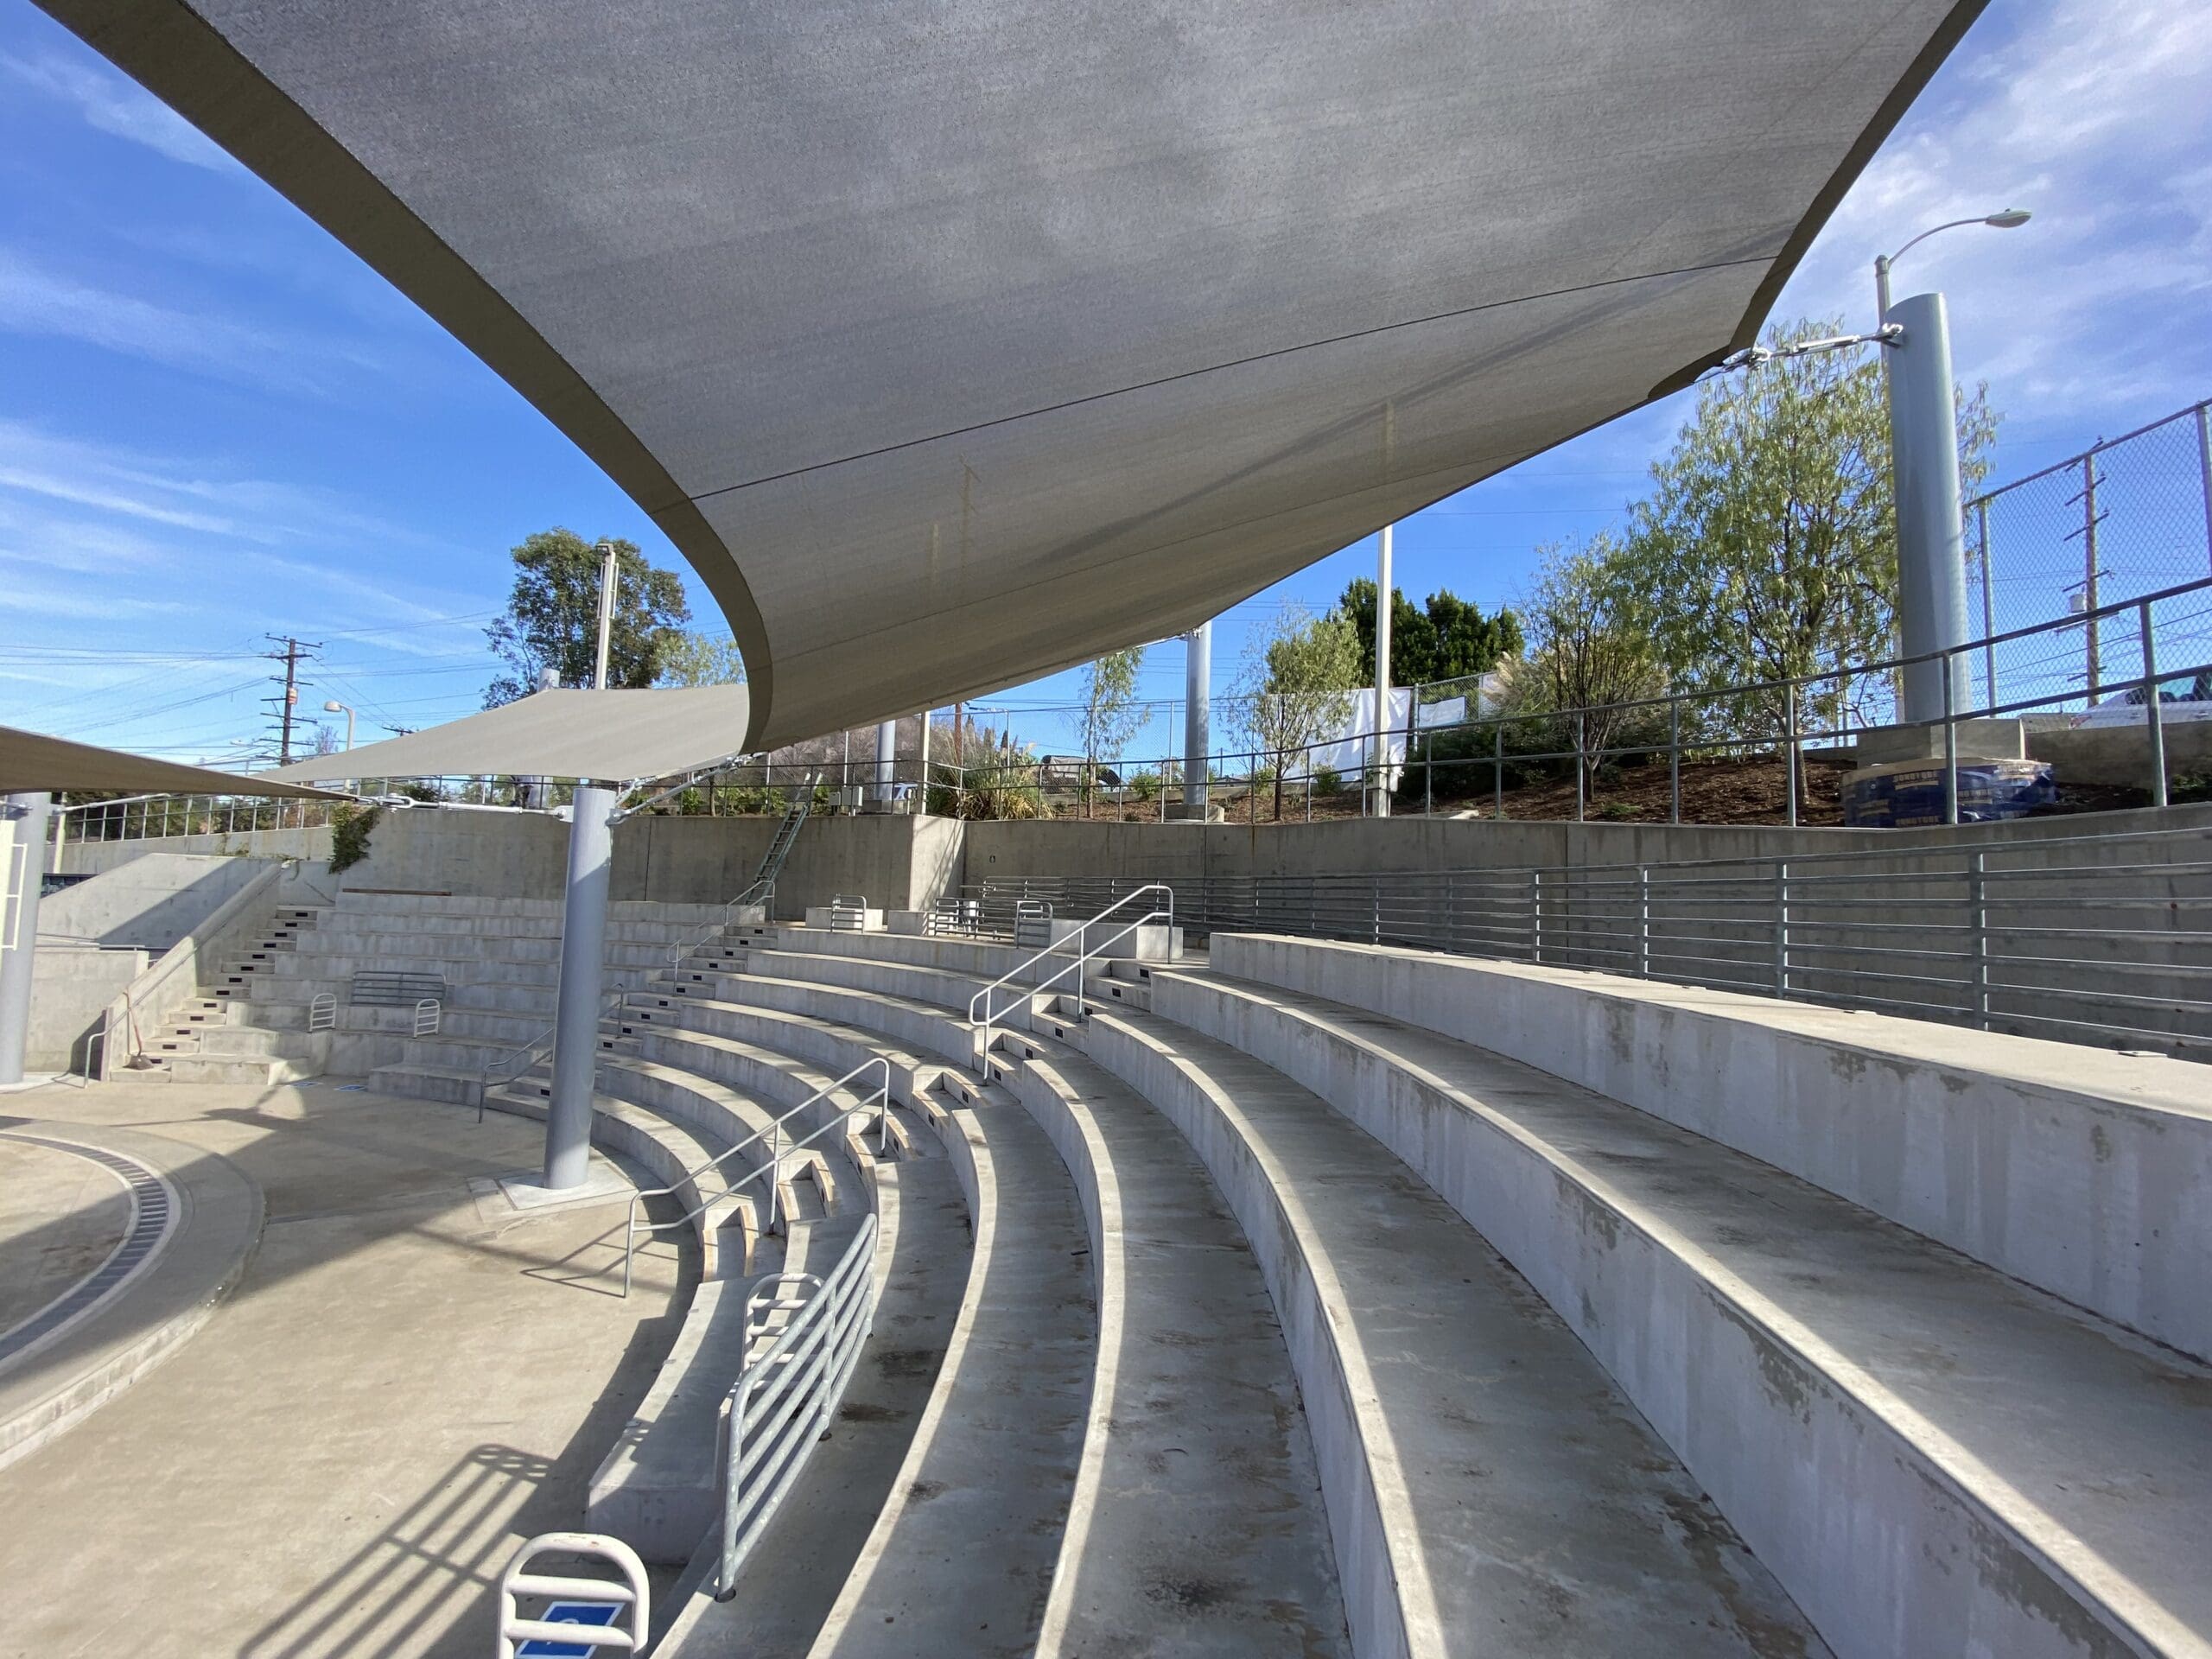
[150, 903]
[71, 988]
[2079, 1171]
[90, 857]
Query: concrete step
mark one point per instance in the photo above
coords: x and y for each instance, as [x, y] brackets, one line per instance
[836, 1049]
[258, 1070]
[726, 1225]
[357, 901]
[1199, 1471]
[372, 924]
[2040, 1475]
[452, 1085]
[794, 1575]
[1488, 1487]
[957, 1558]
[326, 945]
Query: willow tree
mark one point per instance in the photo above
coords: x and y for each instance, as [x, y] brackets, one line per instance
[1109, 714]
[1296, 686]
[1767, 549]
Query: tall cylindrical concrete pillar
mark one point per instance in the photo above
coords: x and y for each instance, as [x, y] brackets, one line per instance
[25, 868]
[1198, 716]
[1931, 536]
[886, 762]
[583, 949]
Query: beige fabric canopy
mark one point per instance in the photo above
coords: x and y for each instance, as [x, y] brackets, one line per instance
[32, 760]
[621, 736]
[955, 343]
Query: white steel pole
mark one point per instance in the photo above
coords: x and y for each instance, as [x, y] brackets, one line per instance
[1198, 693]
[1384, 591]
[609, 575]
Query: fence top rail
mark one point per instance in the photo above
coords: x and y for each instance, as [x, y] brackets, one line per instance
[1625, 871]
[2096, 449]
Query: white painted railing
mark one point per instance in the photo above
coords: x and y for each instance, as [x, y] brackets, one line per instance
[588, 1597]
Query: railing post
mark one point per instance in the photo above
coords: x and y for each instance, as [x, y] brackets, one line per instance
[1643, 921]
[1581, 742]
[1988, 607]
[1978, 924]
[2154, 717]
[1950, 747]
[2092, 637]
[1782, 921]
[1375, 909]
[1790, 745]
[1674, 759]
[1537, 915]
[775, 1176]
[1497, 768]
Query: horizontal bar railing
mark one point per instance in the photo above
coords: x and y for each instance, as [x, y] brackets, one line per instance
[983, 1012]
[2104, 939]
[783, 1403]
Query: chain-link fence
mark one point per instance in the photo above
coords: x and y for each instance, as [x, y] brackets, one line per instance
[2130, 517]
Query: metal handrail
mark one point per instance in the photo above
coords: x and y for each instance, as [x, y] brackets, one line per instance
[516, 1060]
[781, 1405]
[634, 1593]
[882, 1100]
[987, 999]
[762, 892]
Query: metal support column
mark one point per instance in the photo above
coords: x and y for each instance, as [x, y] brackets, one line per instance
[1988, 607]
[2154, 717]
[886, 763]
[1931, 539]
[1198, 695]
[2092, 631]
[1385, 592]
[25, 865]
[583, 949]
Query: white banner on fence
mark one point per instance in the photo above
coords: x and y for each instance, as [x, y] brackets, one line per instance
[1352, 751]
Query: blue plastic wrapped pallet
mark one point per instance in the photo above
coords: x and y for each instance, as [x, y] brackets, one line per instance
[1905, 794]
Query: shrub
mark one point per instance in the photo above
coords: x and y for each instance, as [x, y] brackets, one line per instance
[1327, 781]
[349, 834]
[1145, 786]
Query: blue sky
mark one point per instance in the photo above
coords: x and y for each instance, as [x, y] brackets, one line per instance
[215, 424]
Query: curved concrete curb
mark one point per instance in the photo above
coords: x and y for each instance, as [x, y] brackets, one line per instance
[145, 1313]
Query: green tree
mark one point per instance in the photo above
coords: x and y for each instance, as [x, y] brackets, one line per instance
[552, 619]
[1108, 715]
[692, 658]
[1296, 685]
[1447, 639]
[1767, 549]
[1587, 654]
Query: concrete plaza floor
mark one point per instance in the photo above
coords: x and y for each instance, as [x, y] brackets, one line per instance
[412, 1375]
[60, 1217]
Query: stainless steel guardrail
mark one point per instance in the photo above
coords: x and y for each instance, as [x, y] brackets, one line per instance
[2104, 939]
[789, 1391]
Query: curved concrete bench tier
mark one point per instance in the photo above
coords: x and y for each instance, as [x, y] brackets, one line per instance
[2018, 1477]
[1196, 1485]
[1489, 1489]
[2082, 1172]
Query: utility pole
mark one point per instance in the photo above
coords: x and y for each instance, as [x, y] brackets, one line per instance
[610, 576]
[295, 652]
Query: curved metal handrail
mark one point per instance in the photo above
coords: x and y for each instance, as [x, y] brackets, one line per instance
[986, 998]
[881, 1099]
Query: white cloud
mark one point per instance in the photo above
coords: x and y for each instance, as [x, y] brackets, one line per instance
[113, 104]
[2091, 115]
[40, 302]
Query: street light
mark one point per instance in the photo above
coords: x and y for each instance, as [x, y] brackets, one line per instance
[335, 707]
[1924, 484]
[2010, 219]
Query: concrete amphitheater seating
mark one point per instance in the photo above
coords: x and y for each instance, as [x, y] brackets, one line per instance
[1314, 1298]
